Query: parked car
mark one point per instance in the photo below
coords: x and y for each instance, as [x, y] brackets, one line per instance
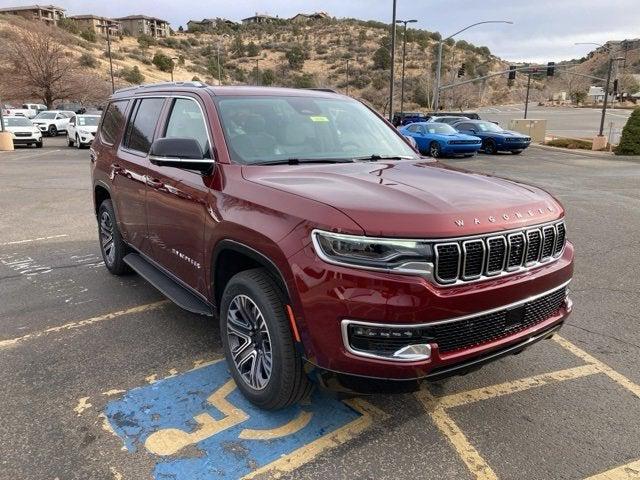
[405, 118]
[440, 139]
[322, 242]
[23, 131]
[53, 122]
[448, 120]
[81, 130]
[494, 138]
[470, 115]
[29, 110]
[71, 107]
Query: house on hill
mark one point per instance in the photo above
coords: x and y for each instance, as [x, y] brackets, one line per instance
[305, 17]
[259, 18]
[208, 24]
[137, 25]
[97, 24]
[49, 14]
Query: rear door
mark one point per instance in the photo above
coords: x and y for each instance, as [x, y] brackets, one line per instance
[130, 169]
[177, 198]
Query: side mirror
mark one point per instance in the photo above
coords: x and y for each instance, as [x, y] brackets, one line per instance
[179, 153]
[411, 141]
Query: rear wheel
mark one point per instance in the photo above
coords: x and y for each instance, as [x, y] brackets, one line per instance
[78, 142]
[435, 150]
[53, 131]
[69, 142]
[258, 343]
[112, 246]
[489, 147]
[516, 152]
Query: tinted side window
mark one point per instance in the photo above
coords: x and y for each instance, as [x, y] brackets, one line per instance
[113, 121]
[142, 124]
[186, 121]
[412, 128]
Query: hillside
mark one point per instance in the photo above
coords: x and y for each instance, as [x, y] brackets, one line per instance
[308, 55]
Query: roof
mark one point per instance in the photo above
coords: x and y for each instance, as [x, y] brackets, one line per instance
[263, 15]
[32, 7]
[145, 17]
[595, 91]
[90, 16]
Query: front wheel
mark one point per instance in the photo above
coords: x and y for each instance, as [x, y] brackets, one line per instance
[112, 246]
[258, 343]
[69, 142]
[490, 147]
[516, 152]
[53, 131]
[434, 150]
[39, 144]
[78, 143]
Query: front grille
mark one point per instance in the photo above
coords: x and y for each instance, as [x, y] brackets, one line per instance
[22, 134]
[518, 139]
[486, 328]
[463, 142]
[490, 255]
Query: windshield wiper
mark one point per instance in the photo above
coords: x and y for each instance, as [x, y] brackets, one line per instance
[376, 157]
[298, 161]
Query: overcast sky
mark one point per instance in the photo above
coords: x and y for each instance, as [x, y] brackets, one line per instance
[543, 30]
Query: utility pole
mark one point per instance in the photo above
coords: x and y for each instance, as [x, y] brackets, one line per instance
[526, 102]
[1, 117]
[219, 74]
[404, 53]
[606, 92]
[347, 72]
[113, 83]
[257, 72]
[393, 59]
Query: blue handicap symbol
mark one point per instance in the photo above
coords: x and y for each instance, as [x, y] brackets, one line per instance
[198, 426]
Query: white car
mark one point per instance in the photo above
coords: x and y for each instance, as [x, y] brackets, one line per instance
[23, 131]
[29, 110]
[53, 122]
[81, 130]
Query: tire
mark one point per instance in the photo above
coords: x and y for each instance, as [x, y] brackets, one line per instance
[113, 251]
[434, 150]
[52, 131]
[252, 300]
[39, 144]
[489, 147]
[78, 143]
[517, 152]
[469, 155]
[69, 142]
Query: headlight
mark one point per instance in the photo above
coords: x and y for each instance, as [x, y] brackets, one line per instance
[402, 256]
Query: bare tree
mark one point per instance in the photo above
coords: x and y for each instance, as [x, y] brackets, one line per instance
[37, 66]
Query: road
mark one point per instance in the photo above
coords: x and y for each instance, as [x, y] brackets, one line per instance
[91, 365]
[563, 121]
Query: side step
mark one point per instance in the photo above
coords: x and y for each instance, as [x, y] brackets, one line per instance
[169, 287]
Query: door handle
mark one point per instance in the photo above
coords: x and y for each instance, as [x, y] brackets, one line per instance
[154, 183]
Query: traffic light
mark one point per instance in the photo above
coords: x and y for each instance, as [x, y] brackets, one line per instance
[551, 69]
[512, 72]
[615, 86]
[461, 71]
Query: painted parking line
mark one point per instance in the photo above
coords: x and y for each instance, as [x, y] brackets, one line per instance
[437, 408]
[81, 323]
[630, 471]
[31, 240]
[198, 425]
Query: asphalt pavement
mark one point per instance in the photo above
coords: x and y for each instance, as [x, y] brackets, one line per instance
[103, 379]
[563, 121]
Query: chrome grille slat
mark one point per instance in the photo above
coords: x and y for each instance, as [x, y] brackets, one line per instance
[484, 256]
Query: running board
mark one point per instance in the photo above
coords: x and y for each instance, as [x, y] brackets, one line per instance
[171, 289]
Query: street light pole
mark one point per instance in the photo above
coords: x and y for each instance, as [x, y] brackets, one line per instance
[113, 83]
[526, 102]
[219, 75]
[439, 67]
[393, 59]
[404, 53]
[257, 72]
[347, 72]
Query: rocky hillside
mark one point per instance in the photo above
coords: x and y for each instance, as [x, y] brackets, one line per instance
[308, 55]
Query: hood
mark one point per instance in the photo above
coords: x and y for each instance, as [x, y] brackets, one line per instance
[413, 198]
[510, 133]
[90, 128]
[462, 136]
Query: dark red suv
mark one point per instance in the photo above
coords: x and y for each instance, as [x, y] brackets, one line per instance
[328, 248]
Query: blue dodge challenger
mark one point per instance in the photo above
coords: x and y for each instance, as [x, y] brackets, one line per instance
[438, 139]
[494, 138]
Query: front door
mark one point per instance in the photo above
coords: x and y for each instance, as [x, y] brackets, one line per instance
[177, 199]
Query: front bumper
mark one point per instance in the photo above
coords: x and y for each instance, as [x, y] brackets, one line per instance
[329, 294]
[461, 149]
[85, 138]
[34, 138]
[514, 146]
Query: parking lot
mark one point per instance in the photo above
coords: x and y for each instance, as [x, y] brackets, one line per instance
[103, 378]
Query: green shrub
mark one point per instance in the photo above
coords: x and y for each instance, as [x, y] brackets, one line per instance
[571, 143]
[163, 62]
[268, 77]
[382, 59]
[145, 41]
[89, 36]
[295, 56]
[306, 80]
[69, 25]
[87, 60]
[253, 50]
[630, 140]
[196, 79]
[132, 75]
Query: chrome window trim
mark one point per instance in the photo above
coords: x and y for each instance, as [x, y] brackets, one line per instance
[436, 256]
[346, 322]
[524, 251]
[464, 261]
[493, 273]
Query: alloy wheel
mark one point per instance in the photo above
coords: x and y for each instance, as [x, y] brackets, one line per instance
[249, 342]
[106, 237]
[434, 150]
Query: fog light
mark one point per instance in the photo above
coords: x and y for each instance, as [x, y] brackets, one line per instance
[400, 343]
[418, 351]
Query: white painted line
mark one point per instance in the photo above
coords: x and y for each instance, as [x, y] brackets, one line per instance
[30, 240]
[34, 155]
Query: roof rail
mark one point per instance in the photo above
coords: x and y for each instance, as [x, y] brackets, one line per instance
[330, 90]
[163, 84]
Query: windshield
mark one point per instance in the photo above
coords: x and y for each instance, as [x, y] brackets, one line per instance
[489, 127]
[265, 129]
[17, 122]
[46, 116]
[442, 128]
[90, 121]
